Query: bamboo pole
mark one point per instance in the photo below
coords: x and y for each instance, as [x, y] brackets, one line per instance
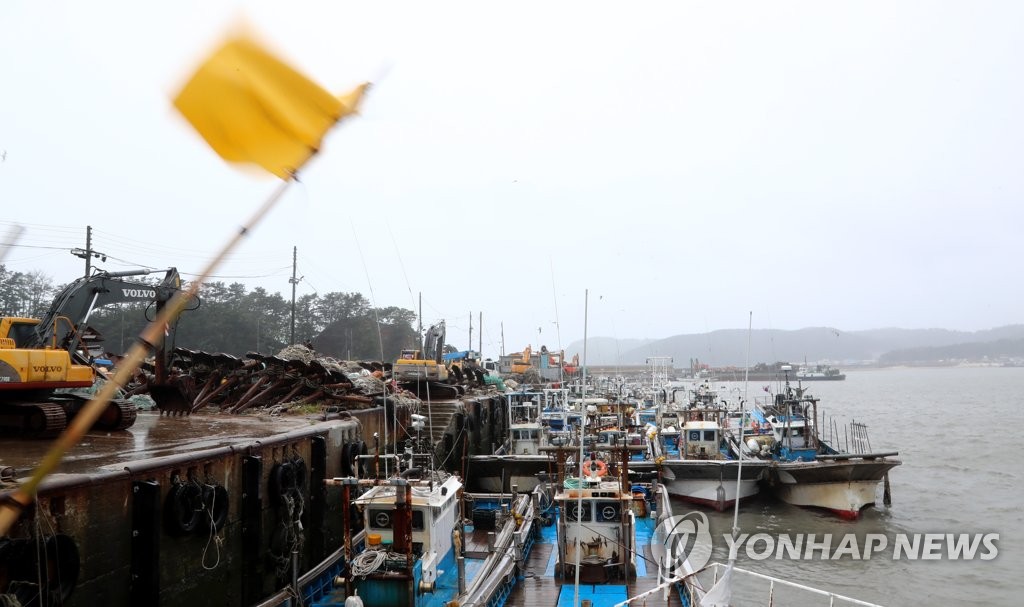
[15, 501]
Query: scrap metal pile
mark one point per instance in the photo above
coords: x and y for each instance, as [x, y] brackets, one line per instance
[293, 377]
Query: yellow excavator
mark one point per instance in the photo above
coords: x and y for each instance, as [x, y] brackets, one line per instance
[423, 365]
[522, 364]
[39, 356]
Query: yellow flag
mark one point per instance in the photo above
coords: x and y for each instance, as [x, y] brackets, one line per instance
[250, 107]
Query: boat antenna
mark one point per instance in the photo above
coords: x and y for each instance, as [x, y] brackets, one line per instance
[380, 342]
[583, 423]
[558, 326]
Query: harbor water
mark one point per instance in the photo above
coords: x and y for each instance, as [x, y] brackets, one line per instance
[962, 473]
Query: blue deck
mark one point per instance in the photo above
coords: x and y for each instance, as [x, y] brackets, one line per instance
[603, 595]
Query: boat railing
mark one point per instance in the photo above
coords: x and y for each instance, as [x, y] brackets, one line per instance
[779, 591]
[316, 582]
[511, 548]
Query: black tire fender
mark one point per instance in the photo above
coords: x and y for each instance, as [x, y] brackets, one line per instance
[362, 465]
[282, 480]
[353, 458]
[346, 460]
[301, 472]
[183, 508]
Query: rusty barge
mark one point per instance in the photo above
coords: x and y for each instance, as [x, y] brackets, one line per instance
[216, 507]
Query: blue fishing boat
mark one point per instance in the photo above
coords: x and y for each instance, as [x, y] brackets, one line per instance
[602, 546]
[807, 467]
[415, 548]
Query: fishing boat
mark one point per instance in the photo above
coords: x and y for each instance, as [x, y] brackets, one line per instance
[522, 460]
[601, 545]
[704, 471]
[711, 584]
[807, 468]
[407, 540]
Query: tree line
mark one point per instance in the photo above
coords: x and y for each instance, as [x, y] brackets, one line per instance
[232, 319]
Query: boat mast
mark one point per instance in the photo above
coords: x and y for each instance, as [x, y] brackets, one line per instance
[583, 423]
[739, 464]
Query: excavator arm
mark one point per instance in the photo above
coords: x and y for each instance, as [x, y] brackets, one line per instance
[77, 301]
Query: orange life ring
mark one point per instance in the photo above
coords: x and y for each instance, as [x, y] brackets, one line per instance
[756, 426]
[588, 465]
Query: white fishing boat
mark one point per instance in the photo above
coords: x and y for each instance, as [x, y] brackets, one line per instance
[705, 473]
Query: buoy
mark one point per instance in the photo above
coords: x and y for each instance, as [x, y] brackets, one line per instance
[590, 464]
[354, 601]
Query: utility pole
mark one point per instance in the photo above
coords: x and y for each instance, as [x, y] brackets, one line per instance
[503, 338]
[470, 347]
[88, 250]
[87, 253]
[419, 323]
[480, 337]
[294, 281]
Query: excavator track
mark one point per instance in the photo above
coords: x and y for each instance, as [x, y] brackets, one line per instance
[118, 415]
[32, 420]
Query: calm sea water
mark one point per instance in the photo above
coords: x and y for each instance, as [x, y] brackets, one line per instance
[958, 431]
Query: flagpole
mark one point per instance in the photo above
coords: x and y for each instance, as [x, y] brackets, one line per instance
[12, 503]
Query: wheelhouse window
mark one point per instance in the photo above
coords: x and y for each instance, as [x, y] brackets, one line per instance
[709, 435]
[608, 512]
[383, 519]
[572, 512]
[380, 519]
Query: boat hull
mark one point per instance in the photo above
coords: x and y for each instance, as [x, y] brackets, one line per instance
[712, 483]
[842, 487]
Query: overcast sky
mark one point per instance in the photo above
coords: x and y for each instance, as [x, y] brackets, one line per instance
[846, 164]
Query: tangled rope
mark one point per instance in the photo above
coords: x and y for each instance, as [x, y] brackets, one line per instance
[367, 562]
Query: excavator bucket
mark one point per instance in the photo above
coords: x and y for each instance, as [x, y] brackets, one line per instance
[170, 399]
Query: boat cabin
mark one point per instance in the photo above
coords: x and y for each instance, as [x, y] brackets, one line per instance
[701, 440]
[595, 521]
[434, 515]
[793, 437]
[526, 438]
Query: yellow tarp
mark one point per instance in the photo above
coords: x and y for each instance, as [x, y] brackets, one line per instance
[250, 107]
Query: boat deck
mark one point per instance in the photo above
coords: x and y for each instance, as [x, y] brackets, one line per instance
[542, 589]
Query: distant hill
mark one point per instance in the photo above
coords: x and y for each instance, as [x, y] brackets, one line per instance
[1002, 348]
[728, 347]
[606, 348]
